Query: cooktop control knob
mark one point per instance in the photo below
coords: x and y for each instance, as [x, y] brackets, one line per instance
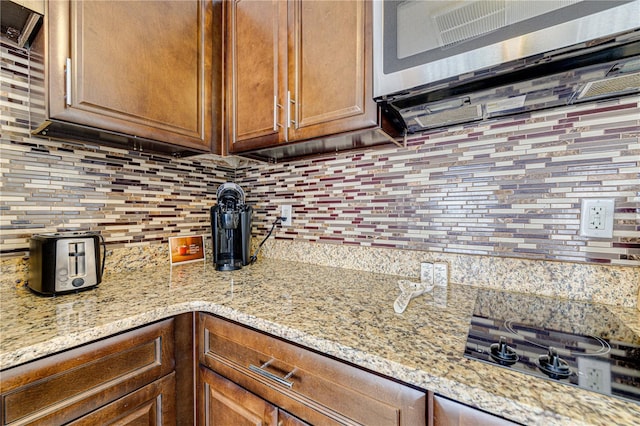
[554, 366]
[503, 353]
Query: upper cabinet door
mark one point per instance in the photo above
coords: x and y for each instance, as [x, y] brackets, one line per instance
[255, 60]
[329, 68]
[141, 68]
[297, 70]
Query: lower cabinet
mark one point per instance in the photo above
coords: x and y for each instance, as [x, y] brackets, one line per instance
[241, 376]
[154, 404]
[129, 378]
[445, 412]
[224, 403]
[253, 377]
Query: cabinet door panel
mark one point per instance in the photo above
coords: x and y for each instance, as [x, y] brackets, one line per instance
[286, 419]
[152, 405]
[446, 412]
[255, 78]
[225, 403]
[137, 67]
[109, 79]
[329, 68]
[63, 387]
[322, 391]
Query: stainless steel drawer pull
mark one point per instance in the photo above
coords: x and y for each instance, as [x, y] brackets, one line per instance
[281, 380]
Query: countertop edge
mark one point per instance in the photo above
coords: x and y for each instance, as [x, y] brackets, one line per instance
[475, 397]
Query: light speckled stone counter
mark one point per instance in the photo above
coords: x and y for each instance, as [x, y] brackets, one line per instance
[341, 312]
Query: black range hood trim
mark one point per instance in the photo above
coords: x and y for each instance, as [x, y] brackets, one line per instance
[530, 72]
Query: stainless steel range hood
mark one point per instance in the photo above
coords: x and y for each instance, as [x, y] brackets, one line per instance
[438, 63]
[20, 20]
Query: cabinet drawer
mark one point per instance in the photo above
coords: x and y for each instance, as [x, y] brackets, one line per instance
[224, 403]
[62, 387]
[451, 413]
[299, 380]
[142, 407]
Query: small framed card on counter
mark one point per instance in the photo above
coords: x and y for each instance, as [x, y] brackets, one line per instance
[186, 249]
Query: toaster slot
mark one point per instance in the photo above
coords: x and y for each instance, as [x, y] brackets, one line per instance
[77, 259]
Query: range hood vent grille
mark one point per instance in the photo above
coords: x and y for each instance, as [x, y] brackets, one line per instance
[474, 19]
[463, 114]
[470, 21]
[611, 86]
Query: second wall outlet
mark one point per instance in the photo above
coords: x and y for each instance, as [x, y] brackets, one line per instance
[594, 375]
[596, 218]
[286, 211]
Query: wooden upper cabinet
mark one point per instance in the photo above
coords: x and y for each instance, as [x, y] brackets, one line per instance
[329, 68]
[255, 65]
[141, 68]
[297, 70]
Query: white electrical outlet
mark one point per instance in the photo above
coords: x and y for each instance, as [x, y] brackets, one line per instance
[286, 211]
[596, 218]
[594, 375]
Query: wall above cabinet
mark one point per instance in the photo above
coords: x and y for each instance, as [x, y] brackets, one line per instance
[121, 74]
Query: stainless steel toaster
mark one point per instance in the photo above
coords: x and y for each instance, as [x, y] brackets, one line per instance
[65, 262]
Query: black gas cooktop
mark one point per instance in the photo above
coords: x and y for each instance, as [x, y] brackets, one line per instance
[576, 343]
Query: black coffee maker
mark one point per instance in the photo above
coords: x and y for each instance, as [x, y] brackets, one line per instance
[231, 228]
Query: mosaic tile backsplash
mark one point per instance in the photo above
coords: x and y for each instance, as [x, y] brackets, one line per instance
[48, 186]
[510, 188]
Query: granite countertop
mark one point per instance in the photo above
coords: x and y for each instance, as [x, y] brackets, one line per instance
[345, 313]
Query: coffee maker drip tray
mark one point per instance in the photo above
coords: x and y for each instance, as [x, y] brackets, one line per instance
[574, 343]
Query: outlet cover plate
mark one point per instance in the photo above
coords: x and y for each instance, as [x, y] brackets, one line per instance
[594, 375]
[286, 211]
[596, 218]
